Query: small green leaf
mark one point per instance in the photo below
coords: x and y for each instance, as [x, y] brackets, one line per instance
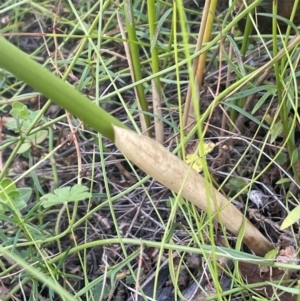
[15, 202]
[281, 158]
[276, 130]
[131, 279]
[65, 194]
[25, 193]
[12, 123]
[16, 108]
[24, 113]
[100, 291]
[14, 113]
[295, 156]
[272, 253]
[236, 184]
[263, 99]
[19, 110]
[19, 204]
[18, 105]
[291, 218]
[35, 231]
[24, 147]
[10, 196]
[38, 137]
[33, 139]
[283, 181]
[14, 196]
[6, 186]
[171, 201]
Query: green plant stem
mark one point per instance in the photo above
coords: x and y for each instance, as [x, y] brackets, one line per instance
[154, 51]
[36, 273]
[21, 65]
[220, 251]
[52, 159]
[283, 111]
[156, 86]
[247, 32]
[135, 58]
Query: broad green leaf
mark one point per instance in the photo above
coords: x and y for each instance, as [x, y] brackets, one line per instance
[291, 218]
[65, 194]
